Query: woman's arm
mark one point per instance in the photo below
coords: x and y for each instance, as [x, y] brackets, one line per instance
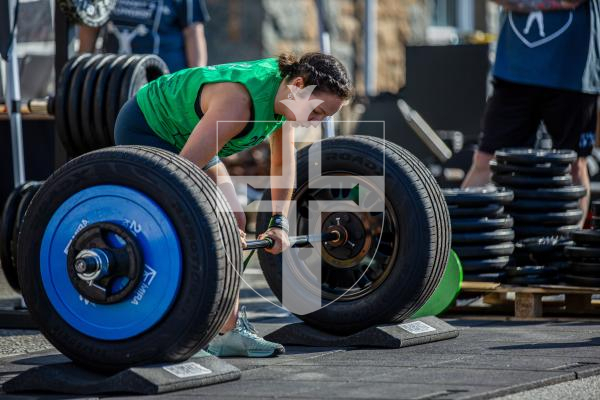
[226, 108]
[195, 45]
[283, 177]
[283, 170]
[87, 38]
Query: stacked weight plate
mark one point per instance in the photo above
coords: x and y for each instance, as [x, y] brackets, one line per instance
[538, 260]
[91, 91]
[13, 213]
[545, 199]
[482, 234]
[584, 254]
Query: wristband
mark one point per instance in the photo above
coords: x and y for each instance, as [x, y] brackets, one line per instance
[279, 221]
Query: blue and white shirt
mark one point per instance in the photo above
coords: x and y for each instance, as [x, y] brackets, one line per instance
[556, 49]
[153, 27]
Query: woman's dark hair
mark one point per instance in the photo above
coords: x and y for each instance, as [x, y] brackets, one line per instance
[322, 70]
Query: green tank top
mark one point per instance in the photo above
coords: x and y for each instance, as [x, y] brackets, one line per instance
[169, 103]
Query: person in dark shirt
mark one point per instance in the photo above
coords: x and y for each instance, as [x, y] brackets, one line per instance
[547, 70]
[171, 29]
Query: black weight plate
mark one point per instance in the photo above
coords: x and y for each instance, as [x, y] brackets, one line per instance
[542, 205]
[74, 103]
[535, 156]
[498, 236]
[532, 182]
[586, 237]
[527, 231]
[26, 193]
[585, 268]
[496, 277]
[113, 93]
[9, 216]
[492, 250]
[491, 211]
[580, 252]
[558, 265]
[61, 103]
[538, 270]
[595, 208]
[535, 170]
[481, 224]
[94, 13]
[484, 265]
[90, 137]
[581, 280]
[144, 70]
[532, 280]
[543, 244]
[569, 217]
[100, 95]
[564, 193]
[477, 196]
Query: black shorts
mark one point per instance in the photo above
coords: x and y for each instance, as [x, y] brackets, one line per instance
[513, 114]
[131, 128]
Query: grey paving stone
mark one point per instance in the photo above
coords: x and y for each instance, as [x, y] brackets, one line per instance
[438, 375]
[510, 362]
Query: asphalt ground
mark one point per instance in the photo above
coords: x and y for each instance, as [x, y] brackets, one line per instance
[490, 359]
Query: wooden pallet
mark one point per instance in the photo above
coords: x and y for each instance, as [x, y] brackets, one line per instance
[528, 299]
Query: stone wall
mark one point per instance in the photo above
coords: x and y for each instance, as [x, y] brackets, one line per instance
[246, 29]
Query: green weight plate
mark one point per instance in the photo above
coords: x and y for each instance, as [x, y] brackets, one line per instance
[446, 291]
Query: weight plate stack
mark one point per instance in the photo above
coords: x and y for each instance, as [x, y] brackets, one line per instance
[482, 235]
[538, 260]
[90, 93]
[545, 198]
[584, 254]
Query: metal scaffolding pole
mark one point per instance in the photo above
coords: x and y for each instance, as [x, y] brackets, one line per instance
[371, 47]
[13, 99]
[325, 44]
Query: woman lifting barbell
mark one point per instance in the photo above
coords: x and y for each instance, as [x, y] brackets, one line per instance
[210, 112]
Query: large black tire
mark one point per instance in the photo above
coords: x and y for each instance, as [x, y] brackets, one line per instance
[422, 237]
[208, 240]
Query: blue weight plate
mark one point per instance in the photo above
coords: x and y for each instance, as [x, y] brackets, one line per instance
[158, 243]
